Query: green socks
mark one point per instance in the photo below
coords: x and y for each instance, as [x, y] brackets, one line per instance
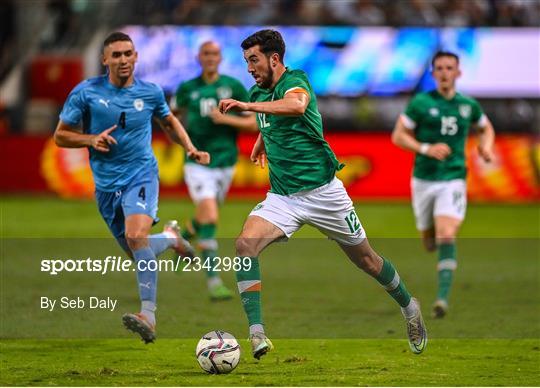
[390, 280]
[249, 287]
[188, 234]
[446, 266]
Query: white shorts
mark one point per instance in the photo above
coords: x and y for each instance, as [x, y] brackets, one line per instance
[438, 198]
[205, 182]
[327, 208]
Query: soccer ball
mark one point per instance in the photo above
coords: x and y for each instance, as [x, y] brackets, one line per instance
[218, 352]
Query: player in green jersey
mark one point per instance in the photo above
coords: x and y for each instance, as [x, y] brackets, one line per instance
[304, 189]
[216, 133]
[435, 126]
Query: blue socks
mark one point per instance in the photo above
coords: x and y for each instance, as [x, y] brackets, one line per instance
[160, 243]
[147, 279]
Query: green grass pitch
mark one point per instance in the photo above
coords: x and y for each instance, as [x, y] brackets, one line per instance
[331, 324]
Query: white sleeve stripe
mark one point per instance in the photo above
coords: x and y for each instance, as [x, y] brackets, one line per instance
[295, 88]
[482, 121]
[407, 121]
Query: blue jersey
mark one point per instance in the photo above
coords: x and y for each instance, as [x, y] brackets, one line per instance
[99, 105]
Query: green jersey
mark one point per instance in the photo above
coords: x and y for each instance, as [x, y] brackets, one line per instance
[435, 119]
[298, 156]
[199, 99]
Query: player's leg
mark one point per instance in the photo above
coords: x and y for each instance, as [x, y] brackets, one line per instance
[423, 200]
[256, 234]
[206, 217]
[137, 231]
[207, 187]
[381, 269]
[269, 221]
[332, 212]
[139, 205]
[428, 239]
[449, 212]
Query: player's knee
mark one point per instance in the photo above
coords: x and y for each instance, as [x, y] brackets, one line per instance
[136, 239]
[446, 235]
[246, 247]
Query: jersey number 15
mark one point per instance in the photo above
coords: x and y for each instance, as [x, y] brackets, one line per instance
[449, 125]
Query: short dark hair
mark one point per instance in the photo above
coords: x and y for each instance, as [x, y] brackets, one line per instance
[270, 41]
[116, 36]
[440, 54]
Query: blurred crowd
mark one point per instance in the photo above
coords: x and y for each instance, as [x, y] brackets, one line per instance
[64, 27]
[452, 13]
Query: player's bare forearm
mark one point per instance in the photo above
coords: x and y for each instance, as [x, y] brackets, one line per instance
[404, 138]
[258, 154]
[246, 123]
[293, 104]
[68, 137]
[177, 132]
[486, 135]
[486, 141]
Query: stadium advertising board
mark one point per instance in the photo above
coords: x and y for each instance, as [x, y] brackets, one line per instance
[375, 169]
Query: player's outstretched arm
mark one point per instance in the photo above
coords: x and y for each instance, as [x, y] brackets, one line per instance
[404, 138]
[246, 123]
[178, 134]
[68, 137]
[293, 104]
[486, 141]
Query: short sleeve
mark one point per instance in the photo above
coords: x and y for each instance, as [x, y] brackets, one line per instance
[412, 114]
[477, 115]
[162, 108]
[182, 100]
[240, 93]
[74, 108]
[295, 84]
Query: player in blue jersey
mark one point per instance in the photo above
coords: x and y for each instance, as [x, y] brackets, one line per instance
[116, 111]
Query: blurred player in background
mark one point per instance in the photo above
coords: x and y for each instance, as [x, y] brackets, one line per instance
[435, 126]
[304, 189]
[116, 111]
[216, 133]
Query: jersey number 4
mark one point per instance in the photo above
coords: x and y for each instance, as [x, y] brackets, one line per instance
[122, 120]
[449, 125]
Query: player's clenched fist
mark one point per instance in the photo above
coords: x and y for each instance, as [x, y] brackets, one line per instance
[200, 157]
[230, 104]
[439, 151]
[486, 153]
[258, 154]
[102, 141]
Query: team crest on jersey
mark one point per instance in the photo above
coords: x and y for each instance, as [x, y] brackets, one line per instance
[224, 92]
[434, 112]
[138, 104]
[194, 95]
[465, 111]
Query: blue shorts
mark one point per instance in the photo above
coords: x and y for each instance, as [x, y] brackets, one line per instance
[140, 196]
